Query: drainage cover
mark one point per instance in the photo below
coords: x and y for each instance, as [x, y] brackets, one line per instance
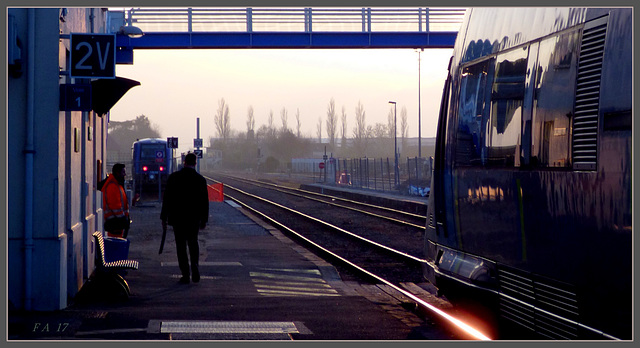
[227, 327]
[196, 329]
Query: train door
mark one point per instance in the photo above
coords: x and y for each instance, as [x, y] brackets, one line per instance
[487, 153]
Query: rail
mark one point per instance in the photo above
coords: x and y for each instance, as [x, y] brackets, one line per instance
[293, 19]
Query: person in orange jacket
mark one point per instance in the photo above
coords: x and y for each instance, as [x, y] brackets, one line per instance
[115, 204]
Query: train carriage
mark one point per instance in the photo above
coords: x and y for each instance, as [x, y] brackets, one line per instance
[532, 192]
[152, 164]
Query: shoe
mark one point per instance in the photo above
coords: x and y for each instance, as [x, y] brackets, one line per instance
[184, 280]
[196, 277]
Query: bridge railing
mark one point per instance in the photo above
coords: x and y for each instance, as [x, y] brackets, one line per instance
[292, 19]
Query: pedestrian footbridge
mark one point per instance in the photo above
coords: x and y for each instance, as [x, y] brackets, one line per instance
[284, 28]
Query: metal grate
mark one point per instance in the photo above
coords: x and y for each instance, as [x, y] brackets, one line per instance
[539, 304]
[195, 326]
[585, 120]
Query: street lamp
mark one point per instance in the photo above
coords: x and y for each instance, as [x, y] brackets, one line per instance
[395, 144]
[131, 31]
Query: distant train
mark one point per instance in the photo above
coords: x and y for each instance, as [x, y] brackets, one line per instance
[152, 163]
[531, 195]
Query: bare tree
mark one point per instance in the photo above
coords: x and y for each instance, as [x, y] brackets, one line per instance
[222, 120]
[298, 123]
[404, 127]
[343, 143]
[332, 123]
[360, 130]
[319, 130]
[251, 123]
[284, 117]
[380, 131]
[391, 123]
[271, 127]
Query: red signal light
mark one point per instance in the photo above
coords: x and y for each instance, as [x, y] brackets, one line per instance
[161, 168]
[144, 168]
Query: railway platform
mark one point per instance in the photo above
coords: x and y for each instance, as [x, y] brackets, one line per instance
[256, 284]
[390, 199]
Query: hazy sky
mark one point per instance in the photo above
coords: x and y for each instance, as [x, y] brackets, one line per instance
[178, 86]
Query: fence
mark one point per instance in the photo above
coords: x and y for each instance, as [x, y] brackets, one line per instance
[374, 173]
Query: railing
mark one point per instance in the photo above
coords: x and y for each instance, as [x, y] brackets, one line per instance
[378, 174]
[375, 174]
[295, 19]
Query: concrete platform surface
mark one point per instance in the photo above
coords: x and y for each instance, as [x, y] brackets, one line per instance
[256, 284]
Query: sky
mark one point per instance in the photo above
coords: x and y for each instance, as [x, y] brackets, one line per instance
[179, 86]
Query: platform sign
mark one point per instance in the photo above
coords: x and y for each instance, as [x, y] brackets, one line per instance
[93, 55]
[75, 97]
[197, 142]
[172, 142]
[198, 153]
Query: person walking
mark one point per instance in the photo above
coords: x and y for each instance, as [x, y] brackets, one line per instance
[185, 206]
[115, 203]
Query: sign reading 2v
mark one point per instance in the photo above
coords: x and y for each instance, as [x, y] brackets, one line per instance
[93, 55]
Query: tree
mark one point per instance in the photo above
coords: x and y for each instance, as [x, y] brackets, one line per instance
[271, 127]
[332, 123]
[391, 122]
[251, 123]
[319, 130]
[121, 135]
[343, 143]
[222, 120]
[379, 131]
[298, 123]
[404, 127]
[360, 130]
[284, 117]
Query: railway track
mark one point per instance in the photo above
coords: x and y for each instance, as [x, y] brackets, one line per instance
[362, 242]
[399, 216]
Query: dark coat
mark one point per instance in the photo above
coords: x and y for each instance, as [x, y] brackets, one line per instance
[186, 199]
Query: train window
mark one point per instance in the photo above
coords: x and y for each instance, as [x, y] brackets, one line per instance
[507, 96]
[473, 114]
[553, 101]
[150, 151]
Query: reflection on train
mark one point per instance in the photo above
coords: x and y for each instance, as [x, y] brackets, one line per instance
[152, 164]
[531, 193]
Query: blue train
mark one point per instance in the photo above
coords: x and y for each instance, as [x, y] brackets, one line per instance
[152, 163]
[531, 196]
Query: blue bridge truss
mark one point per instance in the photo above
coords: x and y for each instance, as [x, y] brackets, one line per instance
[289, 28]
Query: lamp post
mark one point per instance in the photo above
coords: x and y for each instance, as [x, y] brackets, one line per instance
[419, 109]
[395, 145]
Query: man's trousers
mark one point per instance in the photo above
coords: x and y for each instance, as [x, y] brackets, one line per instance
[187, 236]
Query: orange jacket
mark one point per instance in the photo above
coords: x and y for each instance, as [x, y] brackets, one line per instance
[114, 199]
